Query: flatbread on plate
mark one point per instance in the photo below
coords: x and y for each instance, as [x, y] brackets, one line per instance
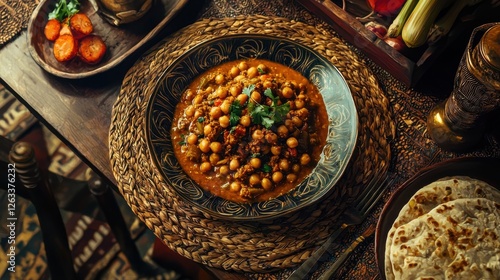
[459, 239]
[432, 195]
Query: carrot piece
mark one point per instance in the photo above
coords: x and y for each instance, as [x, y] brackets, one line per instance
[51, 30]
[81, 25]
[65, 48]
[92, 49]
[65, 29]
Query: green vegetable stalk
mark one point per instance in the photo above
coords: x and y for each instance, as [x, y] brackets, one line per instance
[397, 24]
[420, 21]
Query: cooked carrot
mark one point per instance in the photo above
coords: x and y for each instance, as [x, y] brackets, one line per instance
[65, 48]
[51, 30]
[81, 25]
[65, 29]
[92, 49]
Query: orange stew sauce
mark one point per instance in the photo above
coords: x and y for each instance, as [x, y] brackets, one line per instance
[249, 130]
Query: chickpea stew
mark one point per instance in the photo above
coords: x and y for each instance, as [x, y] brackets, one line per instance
[249, 130]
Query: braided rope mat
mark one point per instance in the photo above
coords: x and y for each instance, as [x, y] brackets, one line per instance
[243, 246]
[14, 16]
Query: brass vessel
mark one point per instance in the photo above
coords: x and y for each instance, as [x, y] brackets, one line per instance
[458, 123]
[119, 12]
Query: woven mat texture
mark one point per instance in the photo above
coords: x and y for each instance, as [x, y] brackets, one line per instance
[251, 247]
[14, 17]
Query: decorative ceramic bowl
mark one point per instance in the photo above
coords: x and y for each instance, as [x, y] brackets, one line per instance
[342, 116]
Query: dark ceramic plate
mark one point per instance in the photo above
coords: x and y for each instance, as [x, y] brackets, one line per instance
[120, 41]
[341, 140]
[485, 169]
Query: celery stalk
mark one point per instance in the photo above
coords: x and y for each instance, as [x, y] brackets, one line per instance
[397, 24]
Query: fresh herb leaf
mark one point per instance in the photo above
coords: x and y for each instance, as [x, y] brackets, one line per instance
[268, 115]
[64, 9]
[201, 119]
[267, 168]
[235, 113]
[261, 71]
[183, 142]
[248, 90]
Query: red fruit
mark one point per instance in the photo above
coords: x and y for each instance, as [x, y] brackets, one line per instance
[386, 7]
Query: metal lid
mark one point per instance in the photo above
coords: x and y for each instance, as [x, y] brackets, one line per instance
[490, 46]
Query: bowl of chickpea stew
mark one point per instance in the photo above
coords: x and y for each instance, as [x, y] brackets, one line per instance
[251, 126]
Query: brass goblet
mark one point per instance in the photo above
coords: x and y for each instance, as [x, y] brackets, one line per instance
[458, 123]
[119, 12]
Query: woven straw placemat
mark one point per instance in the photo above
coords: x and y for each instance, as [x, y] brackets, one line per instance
[243, 246]
[14, 17]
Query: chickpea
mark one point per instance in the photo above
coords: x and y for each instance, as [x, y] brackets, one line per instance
[282, 131]
[225, 106]
[296, 168]
[277, 177]
[287, 92]
[189, 111]
[267, 84]
[215, 112]
[239, 78]
[266, 184]
[205, 167]
[197, 114]
[197, 99]
[252, 72]
[254, 179]
[257, 134]
[242, 98]
[276, 150]
[255, 162]
[297, 121]
[219, 79]
[271, 138]
[305, 159]
[235, 186]
[284, 164]
[234, 164]
[255, 96]
[224, 121]
[216, 147]
[245, 120]
[292, 142]
[221, 92]
[214, 158]
[209, 90]
[263, 68]
[235, 71]
[192, 139]
[243, 65]
[207, 129]
[291, 177]
[224, 170]
[204, 145]
[189, 95]
[299, 103]
[235, 90]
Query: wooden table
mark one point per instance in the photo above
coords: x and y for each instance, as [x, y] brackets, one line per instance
[79, 111]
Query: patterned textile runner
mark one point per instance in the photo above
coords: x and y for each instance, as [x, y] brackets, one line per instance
[14, 17]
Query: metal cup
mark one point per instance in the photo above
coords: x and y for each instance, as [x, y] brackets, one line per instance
[458, 123]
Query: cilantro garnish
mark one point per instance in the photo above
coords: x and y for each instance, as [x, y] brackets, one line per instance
[248, 90]
[261, 71]
[268, 115]
[64, 9]
[183, 142]
[201, 119]
[267, 168]
[235, 113]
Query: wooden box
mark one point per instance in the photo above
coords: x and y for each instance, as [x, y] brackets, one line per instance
[410, 66]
